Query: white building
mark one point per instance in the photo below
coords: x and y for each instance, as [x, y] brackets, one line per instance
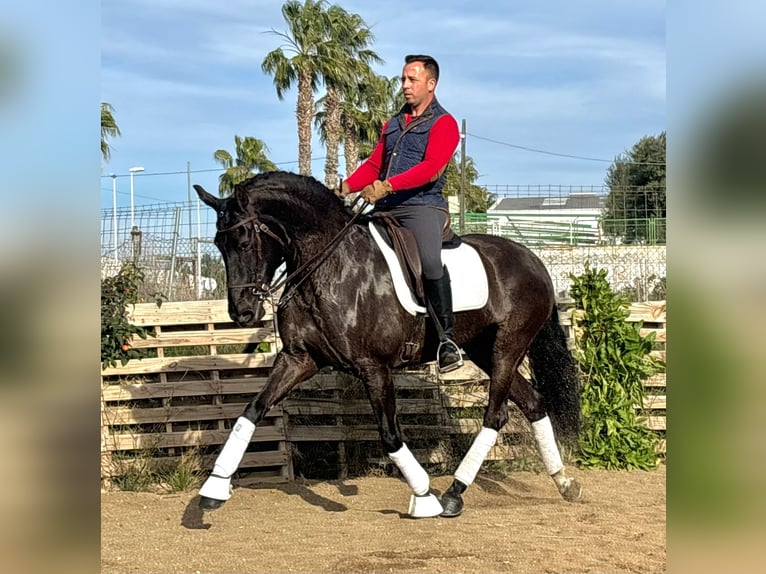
[573, 219]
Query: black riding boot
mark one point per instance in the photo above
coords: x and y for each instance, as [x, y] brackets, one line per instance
[439, 295]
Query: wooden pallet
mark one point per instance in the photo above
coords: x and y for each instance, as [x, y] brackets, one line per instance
[188, 393]
[164, 405]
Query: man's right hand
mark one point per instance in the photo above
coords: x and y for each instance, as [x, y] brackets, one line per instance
[376, 190]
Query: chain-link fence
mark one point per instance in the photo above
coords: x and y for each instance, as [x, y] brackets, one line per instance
[638, 271]
[173, 243]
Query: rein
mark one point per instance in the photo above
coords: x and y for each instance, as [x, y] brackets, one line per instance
[264, 291]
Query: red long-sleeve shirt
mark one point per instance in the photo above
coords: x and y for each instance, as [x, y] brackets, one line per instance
[442, 142]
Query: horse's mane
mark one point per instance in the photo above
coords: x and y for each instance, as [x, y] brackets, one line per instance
[290, 188]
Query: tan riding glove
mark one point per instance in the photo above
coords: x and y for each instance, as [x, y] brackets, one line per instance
[376, 190]
[343, 190]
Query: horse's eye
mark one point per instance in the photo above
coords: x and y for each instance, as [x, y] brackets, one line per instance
[221, 213]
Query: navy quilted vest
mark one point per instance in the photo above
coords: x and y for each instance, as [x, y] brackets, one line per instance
[406, 147]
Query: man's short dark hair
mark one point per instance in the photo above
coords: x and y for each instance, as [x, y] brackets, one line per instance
[430, 65]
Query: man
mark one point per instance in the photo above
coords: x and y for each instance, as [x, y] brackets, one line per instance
[404, 177]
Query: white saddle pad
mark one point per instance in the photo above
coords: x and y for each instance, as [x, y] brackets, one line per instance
[467, 277]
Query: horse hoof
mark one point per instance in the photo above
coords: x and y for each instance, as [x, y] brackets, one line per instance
[206, 503]
[425, 506]
[453, 506]
[572, 491]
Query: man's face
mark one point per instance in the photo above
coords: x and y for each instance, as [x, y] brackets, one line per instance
[417, 85]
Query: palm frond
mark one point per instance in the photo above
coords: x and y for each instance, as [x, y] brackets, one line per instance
[109, 129]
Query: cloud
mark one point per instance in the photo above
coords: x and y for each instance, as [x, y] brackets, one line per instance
[589, 79]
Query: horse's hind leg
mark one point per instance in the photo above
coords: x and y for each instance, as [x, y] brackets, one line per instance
[506, 383]
[532, 405]
[380, 390]
[288, 371]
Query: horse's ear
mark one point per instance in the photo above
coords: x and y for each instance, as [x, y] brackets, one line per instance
[207, 198]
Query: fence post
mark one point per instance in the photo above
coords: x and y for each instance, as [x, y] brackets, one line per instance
[174, 251]
[462, 178]
[199, 254]
[135, 236]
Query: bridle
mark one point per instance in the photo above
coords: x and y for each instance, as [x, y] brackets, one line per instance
[263, 291]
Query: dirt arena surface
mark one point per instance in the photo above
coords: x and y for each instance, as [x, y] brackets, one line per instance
[513, 524]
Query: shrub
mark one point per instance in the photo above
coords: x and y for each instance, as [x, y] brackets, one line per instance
[614, 359]
[185, 474]
[116, 331]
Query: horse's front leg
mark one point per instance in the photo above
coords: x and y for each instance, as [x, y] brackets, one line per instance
[380, 390]
[495, 417]
[289, 370]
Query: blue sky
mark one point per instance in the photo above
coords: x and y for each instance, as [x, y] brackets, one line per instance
[576, 78]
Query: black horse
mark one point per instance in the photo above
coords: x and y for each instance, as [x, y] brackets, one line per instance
[339, 309]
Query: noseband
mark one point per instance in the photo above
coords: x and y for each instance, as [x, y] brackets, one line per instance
[263, 291]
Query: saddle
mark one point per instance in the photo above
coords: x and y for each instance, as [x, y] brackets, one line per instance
[402, 241]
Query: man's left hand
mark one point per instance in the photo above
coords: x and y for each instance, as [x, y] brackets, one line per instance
[376, 190]
[342, 191]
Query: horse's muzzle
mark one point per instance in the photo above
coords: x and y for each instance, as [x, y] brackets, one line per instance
[248, 316]
[243, 319]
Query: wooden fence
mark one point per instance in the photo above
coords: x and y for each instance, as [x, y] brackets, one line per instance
[195, 381]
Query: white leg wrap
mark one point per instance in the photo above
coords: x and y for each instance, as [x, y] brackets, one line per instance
[546, 445]
[231, 455]
[471, 463]
[216, 488]
[410, 468]
[217, 485]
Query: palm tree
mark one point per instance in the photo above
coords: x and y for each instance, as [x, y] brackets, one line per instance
[381, 99]
[351, 35]
[250, 159]
[311, 54]
[364, 108]
[109, 129]
[351, 114]
[477, 198]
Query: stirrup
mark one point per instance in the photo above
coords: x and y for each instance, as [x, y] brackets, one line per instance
[454, 348]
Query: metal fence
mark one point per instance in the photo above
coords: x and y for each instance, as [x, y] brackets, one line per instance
[631, 202]
[173, 244]
[577, 215]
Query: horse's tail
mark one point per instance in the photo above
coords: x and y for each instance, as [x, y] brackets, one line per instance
[555, 375]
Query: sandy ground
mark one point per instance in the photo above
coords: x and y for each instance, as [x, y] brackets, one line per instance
[513, 524]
